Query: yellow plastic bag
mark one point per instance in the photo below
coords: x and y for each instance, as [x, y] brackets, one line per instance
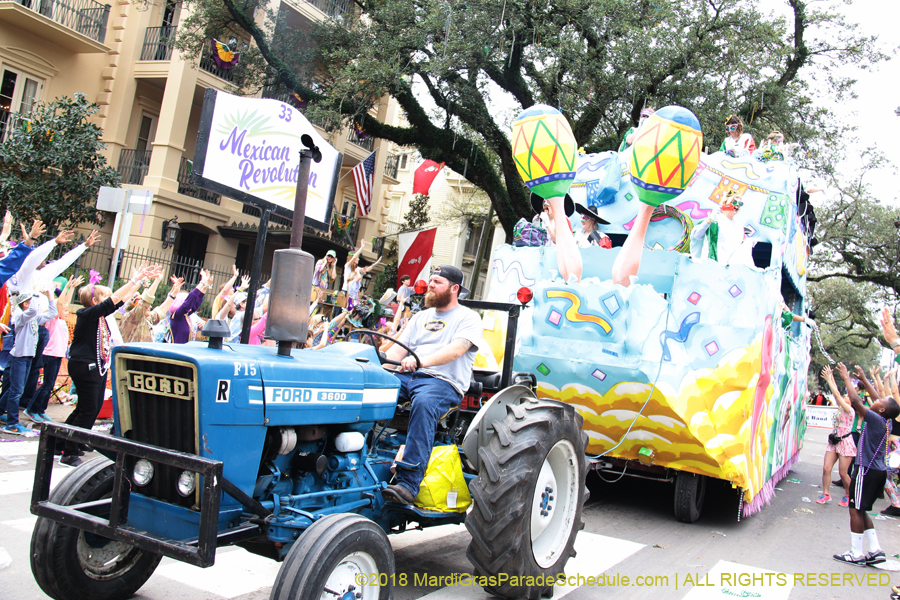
[444, 488]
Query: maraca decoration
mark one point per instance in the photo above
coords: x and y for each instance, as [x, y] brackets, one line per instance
[665, 154]
[544, 150]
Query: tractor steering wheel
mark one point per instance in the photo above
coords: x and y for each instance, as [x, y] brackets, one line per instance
[384, 360]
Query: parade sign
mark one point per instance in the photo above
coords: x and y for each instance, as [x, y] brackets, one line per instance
[249, 149]
[821, 416]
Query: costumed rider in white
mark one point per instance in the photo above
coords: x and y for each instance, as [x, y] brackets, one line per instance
[445, 337]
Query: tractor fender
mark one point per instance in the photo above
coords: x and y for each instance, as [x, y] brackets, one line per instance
[482, 427]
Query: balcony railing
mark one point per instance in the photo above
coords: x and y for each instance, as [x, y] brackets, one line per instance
[84, 16]
[392, 165]
[185, 187]
[277, 220]
[133, 165]
[209, 65]
[367, 143]
[332, 8]
[158, 43]
[9, 122]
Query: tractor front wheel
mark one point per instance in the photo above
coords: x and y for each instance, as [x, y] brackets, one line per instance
[71, 564]
[339, 556]
[528, 499]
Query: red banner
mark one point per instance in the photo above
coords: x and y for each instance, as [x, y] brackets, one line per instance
[415, 255]
[425, 175]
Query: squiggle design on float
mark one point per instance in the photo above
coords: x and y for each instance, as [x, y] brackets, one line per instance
[502, 274]
[680, 336]
[747, 167]
[574, 315]
[692, 208]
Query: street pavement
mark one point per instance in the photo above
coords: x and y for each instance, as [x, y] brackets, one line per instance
[630, 531]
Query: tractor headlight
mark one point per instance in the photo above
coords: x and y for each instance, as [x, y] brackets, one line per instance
[143, 472]
[186, 483]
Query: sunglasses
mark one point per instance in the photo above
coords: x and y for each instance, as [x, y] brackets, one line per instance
[734, 204]
[731, 128]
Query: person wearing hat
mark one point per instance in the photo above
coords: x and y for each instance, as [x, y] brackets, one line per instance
[588, 235]
[28, 321]
[138, 321]
[445, 338]
[323, 274]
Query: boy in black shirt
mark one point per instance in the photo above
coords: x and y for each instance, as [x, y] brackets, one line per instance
[868, 474]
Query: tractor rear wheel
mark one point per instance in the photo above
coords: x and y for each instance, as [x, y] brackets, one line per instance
[337, 555]
[528, 499]
[72, 564]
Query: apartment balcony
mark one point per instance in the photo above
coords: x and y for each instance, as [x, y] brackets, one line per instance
[367, 143]
[392, 166]
[282, 95]
[133, 165]
[208, 64]
[9, 122]
[158, 43]
[77, 25]
[188, 189]
[333, 8]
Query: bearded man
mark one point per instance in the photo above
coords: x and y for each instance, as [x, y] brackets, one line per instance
[445, 337]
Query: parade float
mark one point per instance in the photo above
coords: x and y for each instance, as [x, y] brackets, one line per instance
[687, 372]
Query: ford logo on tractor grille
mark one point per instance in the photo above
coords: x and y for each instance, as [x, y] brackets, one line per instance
[161, 385]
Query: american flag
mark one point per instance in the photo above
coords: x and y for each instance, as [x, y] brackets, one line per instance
[363, 179]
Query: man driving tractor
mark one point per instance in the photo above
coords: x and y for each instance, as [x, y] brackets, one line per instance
[445, 337]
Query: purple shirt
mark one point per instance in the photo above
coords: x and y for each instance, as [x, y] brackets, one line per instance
[181, 329]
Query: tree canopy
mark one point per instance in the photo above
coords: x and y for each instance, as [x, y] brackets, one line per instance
[462, 69]
[51, 167]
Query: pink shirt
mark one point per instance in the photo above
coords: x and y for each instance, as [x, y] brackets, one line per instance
[58, 342]
[258, 331]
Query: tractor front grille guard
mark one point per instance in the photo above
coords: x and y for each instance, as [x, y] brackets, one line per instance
[88, 516]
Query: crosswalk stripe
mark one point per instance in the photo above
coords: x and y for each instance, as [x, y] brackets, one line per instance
[594, 555]
[25, 525]
[18, 448]
[22, 482]
[235, 573]
[713, 588]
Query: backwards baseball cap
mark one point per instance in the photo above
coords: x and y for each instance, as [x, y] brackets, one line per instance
[331, 253]
[240, 297]
[453, 275]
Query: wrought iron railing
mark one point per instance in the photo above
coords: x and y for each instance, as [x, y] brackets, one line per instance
[332, 8]
[9, 122]
[133, 165]
[84, 16]
[392, 165]
[188, 189]
[208, 64]
[158, 43]
[367, 143]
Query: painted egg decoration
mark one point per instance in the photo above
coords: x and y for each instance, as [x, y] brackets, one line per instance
[665, 154]
[544, 150]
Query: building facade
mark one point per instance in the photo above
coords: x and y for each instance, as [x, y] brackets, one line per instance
[120, 55]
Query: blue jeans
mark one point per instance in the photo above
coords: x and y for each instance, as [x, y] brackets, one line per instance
[36, 366]
[17, 371]
[41, 398]
[431, 398]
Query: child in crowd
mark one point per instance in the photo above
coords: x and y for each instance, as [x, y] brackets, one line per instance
[869, 473]
[27, 319]
[54, 351]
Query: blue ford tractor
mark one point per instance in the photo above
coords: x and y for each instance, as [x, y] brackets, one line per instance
[284, 452]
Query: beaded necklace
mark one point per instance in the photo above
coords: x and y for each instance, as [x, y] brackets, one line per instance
[103, 346]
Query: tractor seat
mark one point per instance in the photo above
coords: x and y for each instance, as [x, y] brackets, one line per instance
[489, 380]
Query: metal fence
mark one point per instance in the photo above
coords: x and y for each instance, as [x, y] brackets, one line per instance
[188, 189]
[9, 122]
[332, 8]
[208, 64]
[391, 165]
[84, 16]
[133, 165]
[158, 43]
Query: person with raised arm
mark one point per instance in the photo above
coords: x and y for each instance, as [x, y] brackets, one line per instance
[869, 472]
[90, 353]
[844, 450]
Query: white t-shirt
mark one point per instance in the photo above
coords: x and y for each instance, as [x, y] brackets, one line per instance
[429, 331]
